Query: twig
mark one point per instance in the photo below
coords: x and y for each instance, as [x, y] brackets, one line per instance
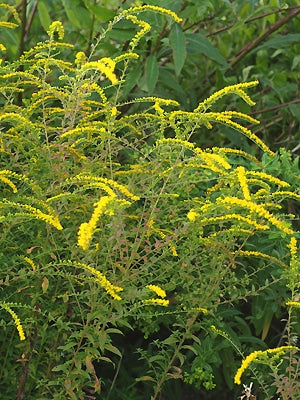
[250, 46]
[264, 110]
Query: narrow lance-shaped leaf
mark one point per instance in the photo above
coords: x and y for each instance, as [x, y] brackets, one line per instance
[177, 41]
[151, 72]
[43, 15]
[200, 44]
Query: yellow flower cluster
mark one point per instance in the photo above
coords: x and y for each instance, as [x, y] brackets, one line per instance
[156, 289]
[80, 58]
[223, 118]
[211, 159]
[36, 213]
[293, 247]
[16, 117]
[293, 304]
[192, 215]
[30, 262]
[2, 47]
[112, 290]
[268, 177]
[287, 193]
[16, 320]
[56, 26]
[9, 183]
[234, 151]
[145, 27]
[125, 56]
[87, 229]
[251, 357]
[105, 65]
[243, 182]
[237, 89]
[261, 255]
[227, 217]
[257, 208]
[13, 10]
[135, 10]
[105, 181]
[9, 173]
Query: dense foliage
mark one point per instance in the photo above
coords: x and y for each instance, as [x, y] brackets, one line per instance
[149, 229]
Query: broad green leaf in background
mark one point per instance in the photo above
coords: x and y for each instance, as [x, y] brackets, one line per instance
[78, 15]
[151, 72]
[102, 13]
[198, 43]
[177, 41]
[44, 14]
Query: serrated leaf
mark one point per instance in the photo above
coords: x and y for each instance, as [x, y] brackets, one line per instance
[151, 72]
[177, 41]
[43, 15]
[197, 43]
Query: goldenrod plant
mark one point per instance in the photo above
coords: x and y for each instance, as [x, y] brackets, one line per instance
[124, 242]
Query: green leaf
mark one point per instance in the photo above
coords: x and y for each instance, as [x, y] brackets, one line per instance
[151, 72]
[67, 346]
[281, 41]
[113, 349]
[102, 13]
[79, 16]
[177, 41]
[197, 43]
[43, 15]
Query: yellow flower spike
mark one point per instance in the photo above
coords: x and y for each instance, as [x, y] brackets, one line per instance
[135, 10]
[156, 289]
[260, 255]
[237, 89]
[257, 208]
[31, 263]
[243, 182]
[56, 26]
[105, 65]
[145, 27]
[268, 177]
[16, 320]
[293, 247]
[13, 10]
[293, 304]
[2, 47]
[125, 56]
[9, 183]
[112, 290]
[229, 217]
[80, 58]
[251, 357]
[87, 229]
